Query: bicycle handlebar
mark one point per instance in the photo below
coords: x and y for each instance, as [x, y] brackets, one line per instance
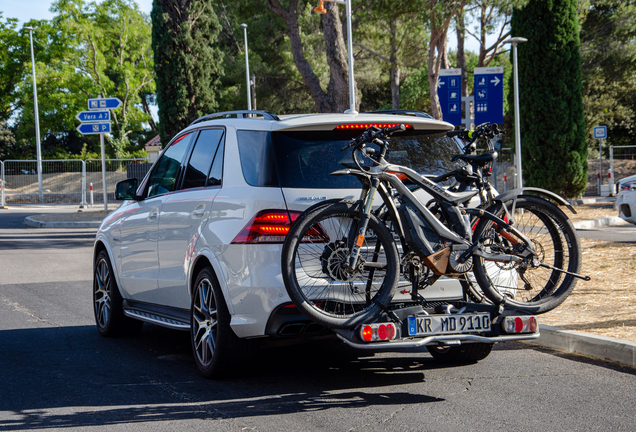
[372, 133]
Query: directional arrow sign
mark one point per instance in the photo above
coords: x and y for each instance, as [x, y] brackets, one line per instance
[93, 116]
[101, 103]
[489, 95]
[93, 128]
[449, 92]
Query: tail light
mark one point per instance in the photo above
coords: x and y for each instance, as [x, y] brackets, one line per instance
[368, 125]
[271, 226]
[378, 332]
[520, 324]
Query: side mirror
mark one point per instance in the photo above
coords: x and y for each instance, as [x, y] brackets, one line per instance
[125, 189]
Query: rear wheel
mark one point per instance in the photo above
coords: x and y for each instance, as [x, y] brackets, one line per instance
[218, 352]
[535, 285]
[315, 266]
[107, 302]
[460, 354]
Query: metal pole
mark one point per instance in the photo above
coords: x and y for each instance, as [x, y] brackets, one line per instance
[517, 118]
[611, 179]
[2, 203]
[600, 162]
[352, 95]
[518, 168]
[101, 142]
[37, 118]
[83, 203]
[253, 86]
[247, 68]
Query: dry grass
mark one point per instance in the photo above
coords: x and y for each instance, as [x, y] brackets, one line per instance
[606, 305]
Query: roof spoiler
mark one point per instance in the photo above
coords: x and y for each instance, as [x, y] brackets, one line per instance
[401, 112]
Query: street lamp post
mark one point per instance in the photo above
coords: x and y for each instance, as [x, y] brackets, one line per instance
[37, 118]
[352, 96]
[514, 41]
[247, 69]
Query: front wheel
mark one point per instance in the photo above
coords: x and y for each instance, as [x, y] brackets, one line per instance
[316, 272]
[535, 285]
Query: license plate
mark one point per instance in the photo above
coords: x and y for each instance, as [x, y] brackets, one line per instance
[448, 324]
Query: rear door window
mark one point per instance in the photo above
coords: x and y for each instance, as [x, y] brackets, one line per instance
[206, 156]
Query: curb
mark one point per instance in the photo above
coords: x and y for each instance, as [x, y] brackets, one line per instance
[590, 345]
[39, 224]
[595, 223]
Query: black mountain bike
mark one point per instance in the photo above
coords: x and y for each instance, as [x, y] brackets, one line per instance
[343, 259]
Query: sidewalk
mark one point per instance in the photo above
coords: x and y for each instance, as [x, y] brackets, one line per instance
[577, 342]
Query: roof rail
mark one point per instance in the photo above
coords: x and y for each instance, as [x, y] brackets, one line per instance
[401, 112]
[238, 114]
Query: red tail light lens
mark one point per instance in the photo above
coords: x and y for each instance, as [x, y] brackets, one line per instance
[378, 332]
[271, 226]
[520, 324]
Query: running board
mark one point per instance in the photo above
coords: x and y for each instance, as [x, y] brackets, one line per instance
[157, 319]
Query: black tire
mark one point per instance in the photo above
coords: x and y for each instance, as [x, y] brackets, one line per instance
[218, 352]
[107, 302]
[527, 287]
[327, 294]
[460, 354]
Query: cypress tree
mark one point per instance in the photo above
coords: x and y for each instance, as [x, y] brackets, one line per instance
[553, 145]
[188, 62]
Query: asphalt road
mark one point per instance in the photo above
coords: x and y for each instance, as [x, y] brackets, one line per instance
[56, 372]
[618, 233]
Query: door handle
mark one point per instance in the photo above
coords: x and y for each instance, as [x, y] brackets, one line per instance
[198, 212]
[153, 214]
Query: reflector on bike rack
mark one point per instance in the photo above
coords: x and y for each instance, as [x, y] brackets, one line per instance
[378, 332]
[520, 324]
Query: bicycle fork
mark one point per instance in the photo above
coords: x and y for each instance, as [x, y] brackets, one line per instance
[367, 199]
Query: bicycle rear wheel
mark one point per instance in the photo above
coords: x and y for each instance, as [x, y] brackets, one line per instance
[317, 281]
[529, 287]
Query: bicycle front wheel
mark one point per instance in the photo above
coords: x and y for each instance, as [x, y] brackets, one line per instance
[315, 266]
[538, 284]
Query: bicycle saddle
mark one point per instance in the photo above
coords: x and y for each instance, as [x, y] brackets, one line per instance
[479, 160]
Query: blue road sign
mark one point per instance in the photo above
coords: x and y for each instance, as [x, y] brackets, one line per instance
[93, 116]
[93, 128]
[102, 103]
[449, 92]
[600, 132]
[489, 95]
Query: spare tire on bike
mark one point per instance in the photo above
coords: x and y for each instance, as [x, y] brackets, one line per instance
[316, 270]
[529, 287]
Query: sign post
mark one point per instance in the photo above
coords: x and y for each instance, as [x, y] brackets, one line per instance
[97, 121]
[600, 133]
[449, 92]
[489, 95]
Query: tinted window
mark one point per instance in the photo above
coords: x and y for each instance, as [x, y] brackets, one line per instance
[164, 176]
[305, 159]
[257, 158]
[203, 155]
[216, 173]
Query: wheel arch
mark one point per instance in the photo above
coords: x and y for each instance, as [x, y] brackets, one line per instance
[202, 261]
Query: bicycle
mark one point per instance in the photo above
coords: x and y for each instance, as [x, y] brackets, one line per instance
[341, 262]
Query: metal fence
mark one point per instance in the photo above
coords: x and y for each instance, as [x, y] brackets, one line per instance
[64, 181]
[606, 168]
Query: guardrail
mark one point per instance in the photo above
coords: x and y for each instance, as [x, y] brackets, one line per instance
[64, 181]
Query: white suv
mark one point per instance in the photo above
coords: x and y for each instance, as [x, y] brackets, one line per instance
[196, 245]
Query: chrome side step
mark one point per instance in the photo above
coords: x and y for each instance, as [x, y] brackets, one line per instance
[157, 319]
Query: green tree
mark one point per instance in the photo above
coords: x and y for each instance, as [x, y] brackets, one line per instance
[188, 62]
[608, 54]
[554, 149]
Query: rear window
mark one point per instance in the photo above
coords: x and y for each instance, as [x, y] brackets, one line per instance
[305, 159]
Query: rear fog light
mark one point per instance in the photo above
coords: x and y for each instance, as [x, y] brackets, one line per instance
[520, 324]
[378, 332]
